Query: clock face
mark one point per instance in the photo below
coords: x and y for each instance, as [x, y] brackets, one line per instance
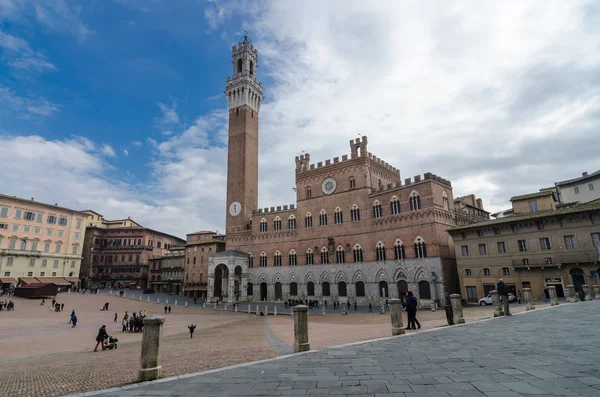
[235, 208]
[329, 185]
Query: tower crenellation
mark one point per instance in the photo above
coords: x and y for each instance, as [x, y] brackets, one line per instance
[243, 88]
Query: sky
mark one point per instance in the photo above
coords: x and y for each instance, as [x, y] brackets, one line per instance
[118, 105]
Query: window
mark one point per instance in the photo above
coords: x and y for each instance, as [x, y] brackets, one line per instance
[482, 249]
[294, 289]
[424, 290]
[486, 272]
[446, 202]
[415, 201]
[308, 193]
[501, 247]
[358, 254]
[479, 233]
[37, 230]
[548, 261]
[340, 255]
[464, 250]
[292, 223]
[18, 214]
[31, 262]
[377, 211]
[77, 236]
[522, 245]
[355, 213]
[324, 256]
[15, 228]
[576, 189]
[395, 206]
[72, 264]
[360, 288]
[6, 274]
[4, 226]
[51, 219]
[399, 250]
[49, 232]
[323, 218]
[263, 259]
[310, 288]
[29, 216]
[277, 224]
[12, 243]
[380, 252]
[342, 290]
[78, 224]
[310, 259]
[468, 272]
[308, 220]
[292, 258]
[39, 217]
[47, 246]
[4, 212]
[325, 289]
[34, 245]
[591, 186]
[533, 207]
[338, 216]
[42, 274]
[353, 183]
[570, 242]
[55, 265]
[23, 245]
[515, 228]
[263, 225]
[506, 271]
[44, 262]
[420, 248]
[496, 231]
[9, 261]
[61, 233]
[545, 243]
[53, 274]
[76, 248]
[29, 274]
[539, 225]
[58, 247]
[596, 219]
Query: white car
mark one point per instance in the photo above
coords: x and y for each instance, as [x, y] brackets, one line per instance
[488, 299]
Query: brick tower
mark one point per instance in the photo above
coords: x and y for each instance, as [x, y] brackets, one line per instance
[244, 96]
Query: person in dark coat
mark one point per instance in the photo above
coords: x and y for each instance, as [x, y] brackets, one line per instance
[191, 328]
[74, 321]
[411, 311]
[72, 316]
[100, 338]
[503, 294]
[370, 308]
[355, 306]
[169, 309]
[166, 308]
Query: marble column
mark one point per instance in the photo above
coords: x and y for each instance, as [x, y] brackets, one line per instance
[244, 288]
[231, 289]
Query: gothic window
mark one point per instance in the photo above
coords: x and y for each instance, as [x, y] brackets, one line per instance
[277, 259]
[263, 259]
[424, 290]
[395, 206]
[308, 192]
[446, 202]
[358, 254]
[308, 220]
[323, 218]
[239, 65]
[377, 212]
[277, 224]
[360, 288]
[293, 289]
[310, 288]
[380, 250]
[292, 258]
[250, 260]
[324, 256]
[420, 248]
[338, 217]
[292, 222]
[415, 201]
[325, 288]
[263, 225]
[251, 71]
[342, 290]
[352, 183]
[399, 250]
[310, 257]
[355, 213]
[340, 255]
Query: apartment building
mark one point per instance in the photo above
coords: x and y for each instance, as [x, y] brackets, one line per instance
[197, 249]
[582, 190]
[166, 274]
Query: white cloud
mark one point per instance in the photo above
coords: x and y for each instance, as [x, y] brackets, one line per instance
[136, 143]
[19, 56]
[169, 115]
[25, 107]
[107, 150]
[125, 152]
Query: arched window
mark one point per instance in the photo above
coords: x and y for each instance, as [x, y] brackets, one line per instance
[383, 289]
[352, 182]
[446, 202]
[308, 220]
[277, 224]
[399, 250]
[415, 201]
[239, 65]
[292, 258]
[292, 222]
[277, 259]
[310, 288]
[424, 290]
[377, 211]
[505, 271]
[342, 290]
[360, 288]
[293, 289]
[358, 254]
[24, 245]
[486, 272]
[308, 192]
[380, 250]
[324, 256]
[310, 257]
[355, 213]
[323, 218]
[251, 71]
[263, 259]
[468, 272]
[153, 278]
[263, 225]
[250, 260]
[249, 289]
[338, 217]
[420, 248]
[395, 205]
[325, 288]
[340, 255]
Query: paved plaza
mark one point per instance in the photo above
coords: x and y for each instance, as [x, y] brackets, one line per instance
[548, 352]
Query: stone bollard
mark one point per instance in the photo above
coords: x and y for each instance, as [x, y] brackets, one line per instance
[150, 362]
[186, 303]
[215, 307]
[528, 296]
[457, 309]
[323, 310]
[69, 291]
[110, 292]
[497, 304]
[586, 292]
[225, 307]
[167, 301]
[140, 297]
[204, 305]
[396, 315]
[553, 297]
[275, 310]
[249, 309]
[175, 302]
[301, 329]
[257, 311]
[597, 291]
[148, 299]
[266, 309]
[382, 309]
[235, 309]
[157, 300]
[571, 294]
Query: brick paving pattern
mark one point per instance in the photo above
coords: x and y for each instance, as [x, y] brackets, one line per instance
[551, 352]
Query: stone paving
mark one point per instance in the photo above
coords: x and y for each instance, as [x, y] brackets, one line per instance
[548, 352]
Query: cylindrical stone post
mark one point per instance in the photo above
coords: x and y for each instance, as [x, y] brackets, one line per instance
[204, 305]
[496, 304]
[266, 309]
[301, 343]
[249, 309]
[586, 292]
[215, 307]
[235, 308]
[457, 309]
[553, 297]
[571, 294]
[175, 302]
[528, 296]
[186, 303]
[382, 309]
[225, 307]
[150, 362]
[257, 310]
[597, 291]
[275, 310]
[110, 291]
[322, 309]
[167, 301]
[148, 299]
[140, 297]
[157, 300]
[396, 315]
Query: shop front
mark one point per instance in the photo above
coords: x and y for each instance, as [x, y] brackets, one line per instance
[557, 283]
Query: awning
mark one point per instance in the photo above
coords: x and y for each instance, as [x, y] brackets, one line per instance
[29, 280]
[72, 279]
[8, 280]
[53, 280]
[194, 289]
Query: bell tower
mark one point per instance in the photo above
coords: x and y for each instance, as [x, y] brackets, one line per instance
[244, 97]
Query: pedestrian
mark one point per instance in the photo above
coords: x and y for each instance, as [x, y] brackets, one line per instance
[126, 317]
[43, 302]
[370, 308]
[355, 306]
[100, 338]
[124, 324]
[116, 315]
[74, 321]
[191, 328]
[547, 294]
[348, 305]
[53, 302]
[194, 300]
[144, 313]
[72, 316]
[519, 297]
[62, 306]
[503, 293]
[411, 311]
[169, 309]
[166, 309]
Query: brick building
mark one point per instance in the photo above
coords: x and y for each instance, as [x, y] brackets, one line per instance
[357, 232]
[199, 247]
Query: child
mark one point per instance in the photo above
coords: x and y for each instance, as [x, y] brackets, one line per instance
[191, 328]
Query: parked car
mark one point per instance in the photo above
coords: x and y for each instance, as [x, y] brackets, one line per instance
[148, 291]
[488, 299]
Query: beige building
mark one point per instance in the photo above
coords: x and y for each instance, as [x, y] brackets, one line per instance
[199, 247]
[544, 243]
[582, 190]
[39, 243]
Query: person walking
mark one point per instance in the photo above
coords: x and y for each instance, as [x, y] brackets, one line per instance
[370, 308]
[355, 306]
[191, 328]
[62, 306]
[72, 316]
[411, 311]
[503, 293]
[116, 315]
[100, 338]
[166, 309]
[74, 321]
[169, 309]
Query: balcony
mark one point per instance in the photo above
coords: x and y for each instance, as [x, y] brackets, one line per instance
[538, 260]
[16, 252]
[120, 264]
[121, 247]
[102, 276]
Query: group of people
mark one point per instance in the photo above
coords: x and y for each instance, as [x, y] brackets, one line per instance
[168, 309]
[7, 306]
[56, 306]
[135, 323]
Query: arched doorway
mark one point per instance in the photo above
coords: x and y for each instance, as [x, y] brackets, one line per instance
[383, 289]
[237, 290]
[278, 294]
[402, 290]
[221, 280]
[249, 289]
[263, 291]
[342, 291]
[578, 281]
[310, 288]
[293, 289]
[424, 290]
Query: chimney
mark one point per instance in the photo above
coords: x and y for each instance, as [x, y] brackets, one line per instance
[584, 174]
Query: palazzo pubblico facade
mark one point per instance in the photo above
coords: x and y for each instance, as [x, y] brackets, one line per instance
[357, 233]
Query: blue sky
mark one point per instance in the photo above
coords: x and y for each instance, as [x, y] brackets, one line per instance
[117, 105]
